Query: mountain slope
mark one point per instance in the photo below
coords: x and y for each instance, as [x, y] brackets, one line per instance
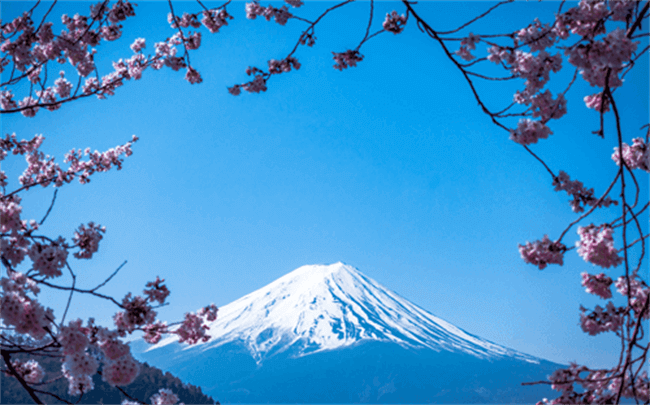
[325, 307]
[329, 334]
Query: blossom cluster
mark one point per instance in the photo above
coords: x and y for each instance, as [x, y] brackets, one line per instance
[192, 329]
[346, 59]
[601, 62]
[546, 108]
[596, 246]
[529, 131]
[636, 156]
[87, 239]
[600, 320]
[638, 296]
[281, 15]
[33, 48]
[30, 371]
[543, 252]
[595, 102]
[19, 310]
[581, 196]
[598, 285]
[466, 45]
[394, 22]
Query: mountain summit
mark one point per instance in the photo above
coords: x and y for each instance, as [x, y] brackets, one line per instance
[317, 308]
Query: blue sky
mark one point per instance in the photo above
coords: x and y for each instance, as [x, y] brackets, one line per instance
[390, 167]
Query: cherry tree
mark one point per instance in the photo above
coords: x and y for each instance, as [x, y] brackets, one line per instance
[32, 260]
[598, 40]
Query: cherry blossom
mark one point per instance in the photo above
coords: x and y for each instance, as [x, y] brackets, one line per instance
[600, 321]
[281, 15]
[346, 59]
[77, 384]
[546, 108]
[121, 371]
[164, 397]
[529, 132]
[636, 156]
[156, 291]
[594, 101]
[87, 239]
[138, 313]
[542, 253]
[580, 194]
[214, 20]
[153, 332]
[49, 259]
[639, 295]
[597, 285]
[394, 22]
[596, 246]
[73, 338]
[30, 371]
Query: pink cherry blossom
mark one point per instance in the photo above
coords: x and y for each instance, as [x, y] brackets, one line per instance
[636, 156]
[77, 384]
[639, 294]
[81, 364]
[10, 209]
[139, 44]
[394, 22]
[537, 36]
[30, 371]
[153, 332]
[193, 76]
[597, 285]
[596, 246]
[281, 15]
[214, 20]
[529, 132]
[73, 338]
[582, 196]
[600, 320]
[594, 101]
[164, 397]
[87, 239]
[542, 253]
[121, 371]
[48, 260]
[464, 53]
[156, 291]
[546, 108]
[209, 312]
[137, 313]
[192, 330]
[346, 59]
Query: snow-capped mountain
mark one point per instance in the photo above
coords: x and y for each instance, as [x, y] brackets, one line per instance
[325, 307]
[329, 334]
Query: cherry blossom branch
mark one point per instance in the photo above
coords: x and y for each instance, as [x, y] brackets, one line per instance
[51, 206]
[473, 20]
[7, 358]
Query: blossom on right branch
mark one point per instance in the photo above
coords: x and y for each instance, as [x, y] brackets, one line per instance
[596, 246]
[636, 156]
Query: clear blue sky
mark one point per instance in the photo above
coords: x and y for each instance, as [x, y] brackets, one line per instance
[390, 167]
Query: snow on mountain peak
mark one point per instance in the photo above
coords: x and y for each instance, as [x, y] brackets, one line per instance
[325, 307]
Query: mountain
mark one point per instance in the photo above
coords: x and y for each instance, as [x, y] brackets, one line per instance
[329, 334]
